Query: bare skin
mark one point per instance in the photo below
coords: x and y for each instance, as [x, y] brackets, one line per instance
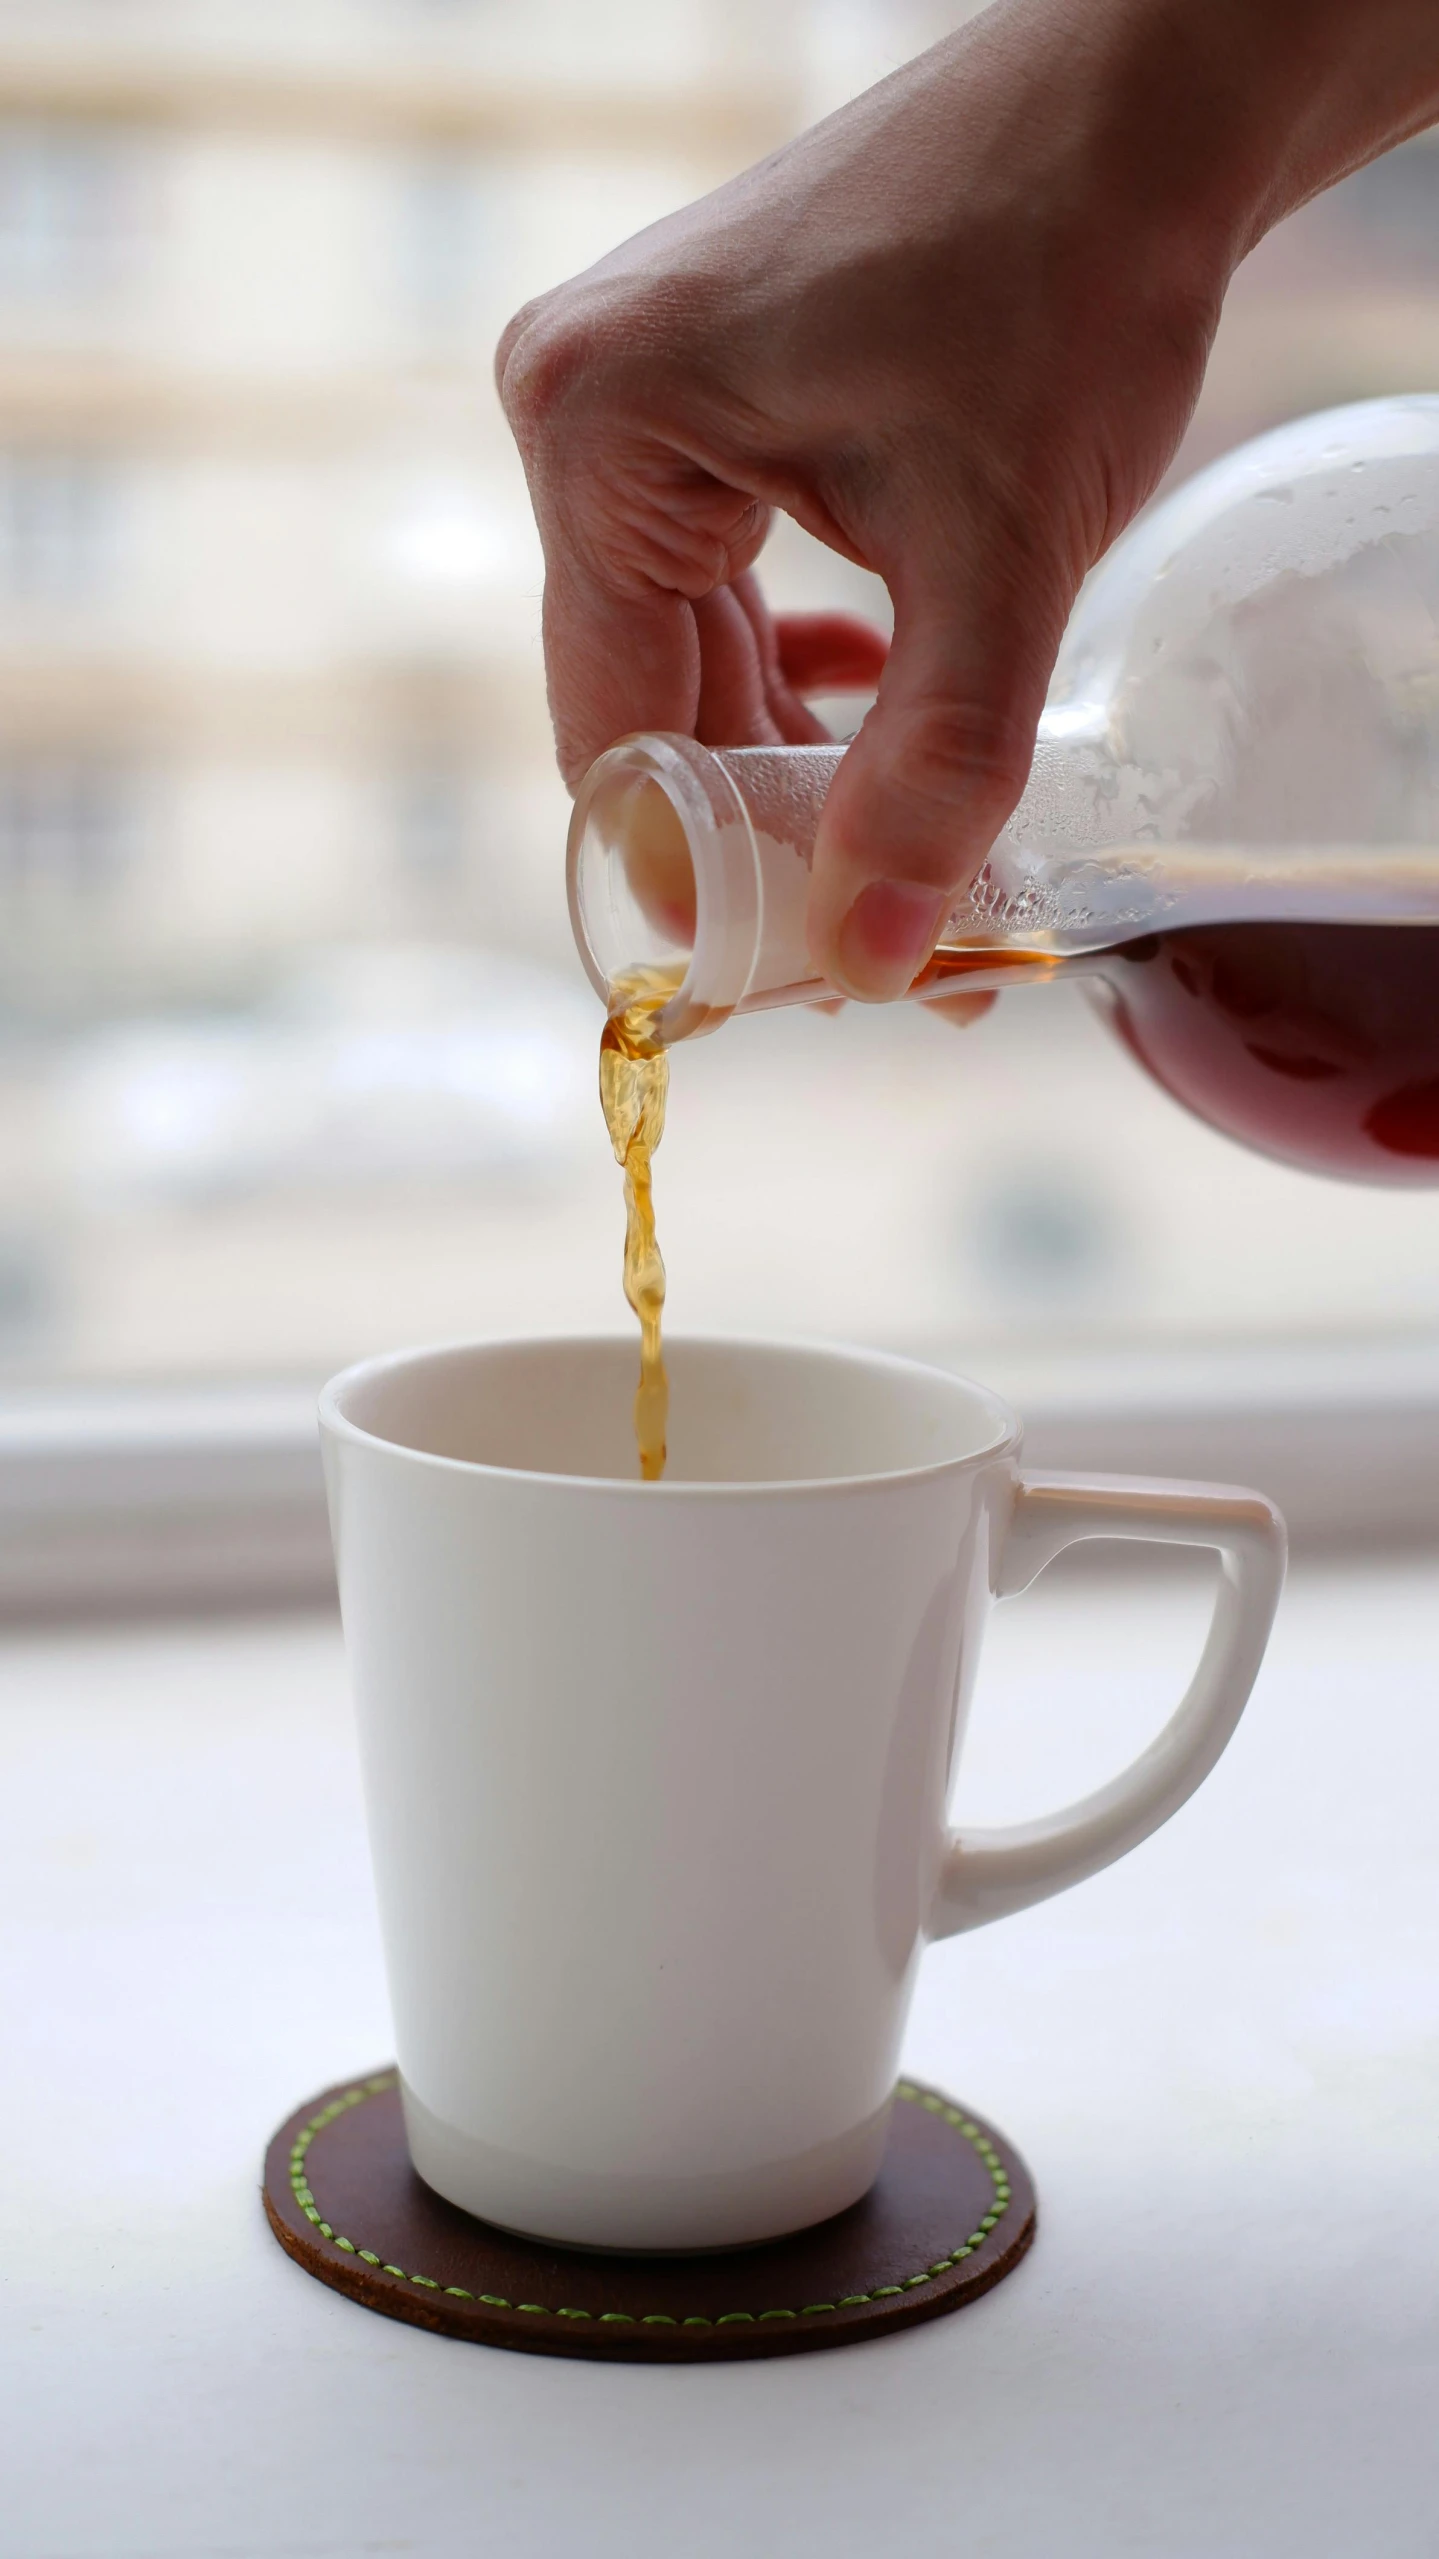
[956, 331]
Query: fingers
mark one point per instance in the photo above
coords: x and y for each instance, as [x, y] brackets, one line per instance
[829, 652]
[642, 544]
[959, 1009]
[755, 666]
[743, 699]
[714, 668]
[653, 618]
[615, 662]
[723, 669]
[787, 720]
[934, 772]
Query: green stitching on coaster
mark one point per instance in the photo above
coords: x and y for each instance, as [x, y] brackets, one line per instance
[978, 2141]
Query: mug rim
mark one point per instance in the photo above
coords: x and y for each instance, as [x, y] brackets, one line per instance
[1005, 1442]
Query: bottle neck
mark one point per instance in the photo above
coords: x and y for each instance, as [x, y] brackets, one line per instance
[694, 863]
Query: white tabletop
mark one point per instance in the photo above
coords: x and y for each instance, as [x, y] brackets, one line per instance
[1221, 2060]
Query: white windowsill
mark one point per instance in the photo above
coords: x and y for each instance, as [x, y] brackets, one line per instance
[144, 1499]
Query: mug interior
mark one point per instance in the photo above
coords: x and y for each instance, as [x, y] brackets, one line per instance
[740, 1412]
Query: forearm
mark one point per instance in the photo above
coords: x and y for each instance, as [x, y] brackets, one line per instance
[1221, 116]
[1132, 150]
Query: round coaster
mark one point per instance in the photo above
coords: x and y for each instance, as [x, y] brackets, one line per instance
[950, 2213]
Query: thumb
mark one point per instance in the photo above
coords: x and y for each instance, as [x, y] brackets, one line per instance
[935, 770]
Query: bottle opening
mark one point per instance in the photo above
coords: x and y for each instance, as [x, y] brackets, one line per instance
[636, 875]
[662, 877]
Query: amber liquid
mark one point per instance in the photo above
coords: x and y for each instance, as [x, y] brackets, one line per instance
[954, 964]
[634, 1086]
[1316, 1043]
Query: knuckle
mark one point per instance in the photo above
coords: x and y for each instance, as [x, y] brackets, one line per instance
[544, 355]
[508, 343]
[948, 750]
[626, 345]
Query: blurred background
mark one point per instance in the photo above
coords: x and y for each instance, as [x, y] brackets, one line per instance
[295, 1057]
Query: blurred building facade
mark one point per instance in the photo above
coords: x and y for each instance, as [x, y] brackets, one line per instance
[270, 680]
[268, 587]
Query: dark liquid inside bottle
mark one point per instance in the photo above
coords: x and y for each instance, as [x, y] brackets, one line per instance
[1318, 1043]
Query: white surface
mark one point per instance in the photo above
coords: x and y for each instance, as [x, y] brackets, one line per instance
[1221, 2059]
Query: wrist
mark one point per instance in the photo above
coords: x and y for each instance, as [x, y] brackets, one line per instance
[1215, 118]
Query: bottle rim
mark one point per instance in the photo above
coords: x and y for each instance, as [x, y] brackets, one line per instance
[613, 931]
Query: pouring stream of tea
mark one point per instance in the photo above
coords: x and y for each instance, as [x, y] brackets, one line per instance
[634, 1085]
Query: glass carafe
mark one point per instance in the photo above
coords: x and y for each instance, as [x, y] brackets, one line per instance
[1231, 826]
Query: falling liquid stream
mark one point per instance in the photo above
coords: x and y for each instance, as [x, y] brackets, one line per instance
[634, 1085]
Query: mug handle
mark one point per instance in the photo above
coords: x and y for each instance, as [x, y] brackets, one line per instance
[986, 1874]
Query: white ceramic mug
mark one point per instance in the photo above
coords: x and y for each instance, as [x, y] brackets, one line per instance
[657, 1774]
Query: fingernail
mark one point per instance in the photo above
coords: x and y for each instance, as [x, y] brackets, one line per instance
[887, 936]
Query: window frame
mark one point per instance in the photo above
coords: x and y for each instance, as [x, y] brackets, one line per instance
[166, 1499]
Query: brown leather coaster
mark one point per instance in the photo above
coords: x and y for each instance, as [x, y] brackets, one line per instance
[950, 2213]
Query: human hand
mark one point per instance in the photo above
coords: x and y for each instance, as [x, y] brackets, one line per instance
[956, 331]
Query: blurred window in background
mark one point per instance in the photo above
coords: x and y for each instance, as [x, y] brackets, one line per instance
[433, 828]
[68, 210]
[442, 248]
[66, 831]
[295, 1056]
[58, 527]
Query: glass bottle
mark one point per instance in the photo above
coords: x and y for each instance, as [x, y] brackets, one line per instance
[1230, 829]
